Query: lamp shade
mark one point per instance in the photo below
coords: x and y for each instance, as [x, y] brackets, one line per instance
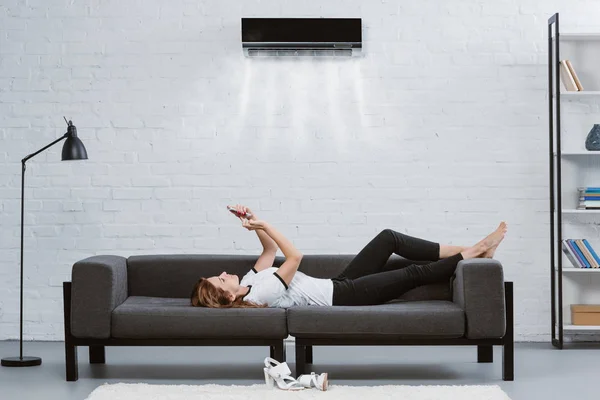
[73, 149]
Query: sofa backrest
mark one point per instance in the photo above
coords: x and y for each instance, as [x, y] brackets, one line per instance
[174, 275]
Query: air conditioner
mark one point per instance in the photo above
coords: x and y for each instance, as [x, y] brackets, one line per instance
[316, 37]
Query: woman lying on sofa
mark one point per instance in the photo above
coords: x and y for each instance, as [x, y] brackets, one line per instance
[363, 282]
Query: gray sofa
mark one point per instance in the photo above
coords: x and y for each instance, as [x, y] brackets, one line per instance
[144, 301]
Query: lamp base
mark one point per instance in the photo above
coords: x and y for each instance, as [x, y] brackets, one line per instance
[21, 362]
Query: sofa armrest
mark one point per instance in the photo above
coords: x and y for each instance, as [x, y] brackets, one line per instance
[99, 285]
[478, 288]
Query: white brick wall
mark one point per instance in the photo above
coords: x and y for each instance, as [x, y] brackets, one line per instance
[439, 132]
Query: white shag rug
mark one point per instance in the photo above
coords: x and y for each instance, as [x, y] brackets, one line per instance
[143, 391]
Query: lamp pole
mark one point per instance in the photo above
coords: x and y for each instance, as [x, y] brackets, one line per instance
[22, 219]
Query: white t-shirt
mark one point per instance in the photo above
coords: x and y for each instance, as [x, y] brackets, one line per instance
[266, 287]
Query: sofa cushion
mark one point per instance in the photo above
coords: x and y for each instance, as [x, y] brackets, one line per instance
[432, 319]
[321, 265]
[174, 275]
[156, 317]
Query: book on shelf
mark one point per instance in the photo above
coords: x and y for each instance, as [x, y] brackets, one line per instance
[580, 253]
[574, 75]
[586, 254]
[566, 77]
[589, 247]
[589, 198]
[570, 254]
[582, 261]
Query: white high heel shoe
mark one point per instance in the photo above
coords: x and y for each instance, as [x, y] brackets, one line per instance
[313, 380]
[279, 373]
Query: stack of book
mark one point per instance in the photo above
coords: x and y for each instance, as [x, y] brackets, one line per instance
[589, 198]
[568, 77]
[580, 253]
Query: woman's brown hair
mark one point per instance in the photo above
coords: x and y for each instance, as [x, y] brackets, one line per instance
[205, 294]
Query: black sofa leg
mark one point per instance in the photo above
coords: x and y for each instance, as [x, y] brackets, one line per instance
[485, 354]
[301, 358]
[71, 361]
[70, 350]
[508, 350]
[278, 351]
[309, 355]
[508, 362]
[97, 355]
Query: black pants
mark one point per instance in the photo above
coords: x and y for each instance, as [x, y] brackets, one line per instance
[366, 282]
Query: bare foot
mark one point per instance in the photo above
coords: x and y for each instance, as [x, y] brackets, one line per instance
[494, 238]
[490, 253]
[503, 228]
[487, 246]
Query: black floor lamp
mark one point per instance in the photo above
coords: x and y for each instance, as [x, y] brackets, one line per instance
[73, 149]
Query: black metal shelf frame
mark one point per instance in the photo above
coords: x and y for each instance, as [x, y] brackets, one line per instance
[554, 133]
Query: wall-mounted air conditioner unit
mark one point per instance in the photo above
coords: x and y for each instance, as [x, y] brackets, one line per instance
[302, 37]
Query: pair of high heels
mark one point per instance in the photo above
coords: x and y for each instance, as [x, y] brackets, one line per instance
[279, 373]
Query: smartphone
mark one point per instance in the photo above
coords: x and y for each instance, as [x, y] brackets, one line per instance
[235, 212]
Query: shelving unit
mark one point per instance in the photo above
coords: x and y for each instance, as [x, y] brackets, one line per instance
[566, 37]
[581, 328]
[564, 211]
[574, 167]
[585, 93]
[567, 270]
[577, 153]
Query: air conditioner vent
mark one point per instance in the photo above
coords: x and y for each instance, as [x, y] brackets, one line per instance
[302, 37]
[251, 52]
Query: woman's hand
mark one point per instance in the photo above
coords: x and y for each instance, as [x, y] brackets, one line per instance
[243, 210]
[253, 225]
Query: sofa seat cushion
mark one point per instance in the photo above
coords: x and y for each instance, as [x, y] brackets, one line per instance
[165, 318]
[432, 319]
